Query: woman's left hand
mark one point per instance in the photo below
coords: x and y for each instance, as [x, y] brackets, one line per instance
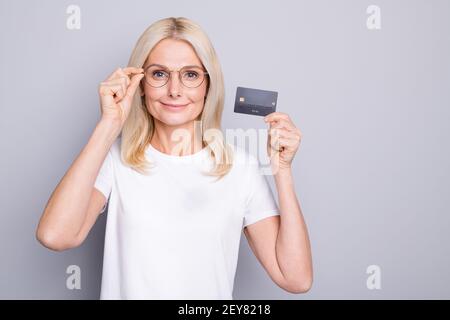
[283, 140]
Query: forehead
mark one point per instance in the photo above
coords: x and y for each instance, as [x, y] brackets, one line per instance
[173, 54]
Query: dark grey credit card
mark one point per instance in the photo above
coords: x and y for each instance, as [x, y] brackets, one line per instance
[255, 101]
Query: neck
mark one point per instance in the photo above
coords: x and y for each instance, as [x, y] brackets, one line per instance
[178, 140]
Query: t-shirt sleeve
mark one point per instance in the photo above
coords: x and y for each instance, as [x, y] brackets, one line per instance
[104, 180]
[260, 201]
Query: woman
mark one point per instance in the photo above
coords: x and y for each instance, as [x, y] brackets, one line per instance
[176, 210]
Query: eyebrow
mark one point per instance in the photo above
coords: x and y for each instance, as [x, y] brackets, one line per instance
[165, 67]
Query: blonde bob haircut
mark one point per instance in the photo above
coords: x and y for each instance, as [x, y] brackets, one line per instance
[139, 127]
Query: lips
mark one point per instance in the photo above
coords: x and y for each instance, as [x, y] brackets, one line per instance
[174, 106]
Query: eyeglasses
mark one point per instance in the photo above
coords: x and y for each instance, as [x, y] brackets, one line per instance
[190, 76]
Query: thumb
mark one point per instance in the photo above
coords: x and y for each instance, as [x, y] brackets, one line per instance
[127, 100]
[133, 85]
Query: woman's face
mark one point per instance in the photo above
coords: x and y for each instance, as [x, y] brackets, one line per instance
[174, 54]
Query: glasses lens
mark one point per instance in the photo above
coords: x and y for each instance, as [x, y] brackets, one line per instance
[156, 76]
[192, 77]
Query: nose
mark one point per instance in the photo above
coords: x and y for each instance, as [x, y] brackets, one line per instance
[174, 84]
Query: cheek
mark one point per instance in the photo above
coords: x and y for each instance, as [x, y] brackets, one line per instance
[197, 96]
[200, 93]
[153, 94]
[194, 96]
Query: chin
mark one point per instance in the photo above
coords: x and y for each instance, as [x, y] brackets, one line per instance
[174, 119]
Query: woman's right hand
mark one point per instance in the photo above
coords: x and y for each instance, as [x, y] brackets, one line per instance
[117, 92]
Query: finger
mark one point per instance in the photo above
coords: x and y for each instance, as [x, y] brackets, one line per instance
[117, 91]
[111, 90]
[283, 123]
[110, 94]
[275, 116]
[287, 143]
[131, 70]
[275, 144]
[122, 81]
[124, 72]
[125, 80]
[105, 89]
[283, 133]
[134, 84]
[279, 143]
[122, 75]
[114, 74]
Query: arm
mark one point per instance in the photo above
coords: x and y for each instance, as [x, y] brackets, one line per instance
[70, 212]
[282, 243]
[293, 249]
[75, 204]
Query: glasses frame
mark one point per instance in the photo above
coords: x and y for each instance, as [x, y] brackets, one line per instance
[170, 75]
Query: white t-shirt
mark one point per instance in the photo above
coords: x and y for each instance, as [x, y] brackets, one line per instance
[175, 233]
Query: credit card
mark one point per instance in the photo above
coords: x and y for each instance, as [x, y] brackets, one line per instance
[255, 101]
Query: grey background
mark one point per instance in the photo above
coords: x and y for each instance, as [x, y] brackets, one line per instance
[372, 172]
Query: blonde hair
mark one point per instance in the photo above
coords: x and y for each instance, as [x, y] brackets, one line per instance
[139, 126]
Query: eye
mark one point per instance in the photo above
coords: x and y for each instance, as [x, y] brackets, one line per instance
[191, 75]
[159, 74]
